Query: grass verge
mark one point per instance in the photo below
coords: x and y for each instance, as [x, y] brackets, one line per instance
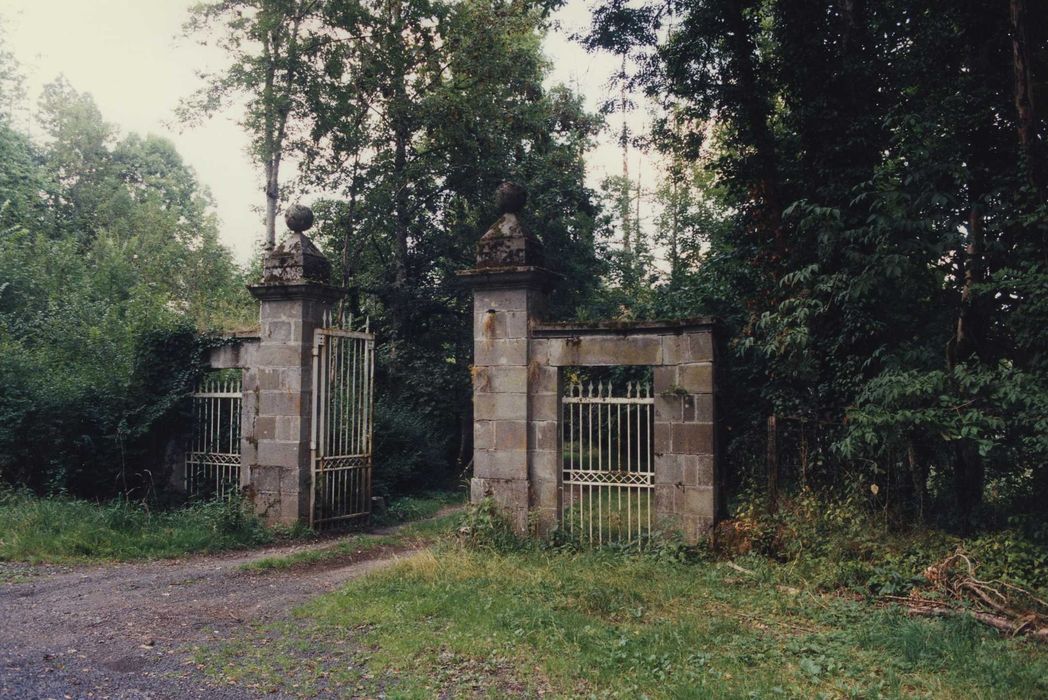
[65, 531]
[358, 547]
[459, 622]
[49, 530]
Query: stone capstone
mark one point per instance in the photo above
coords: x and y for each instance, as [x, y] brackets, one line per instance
[510, 198]
[508, 244]
[296, 259]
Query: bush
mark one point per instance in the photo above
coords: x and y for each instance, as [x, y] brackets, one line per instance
[834, 541]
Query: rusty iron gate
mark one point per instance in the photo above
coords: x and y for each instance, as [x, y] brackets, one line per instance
[341, 440]
[608, 463]
[212, 466]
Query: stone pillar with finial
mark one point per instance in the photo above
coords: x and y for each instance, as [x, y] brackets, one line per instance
[510, 284]
[295, 295]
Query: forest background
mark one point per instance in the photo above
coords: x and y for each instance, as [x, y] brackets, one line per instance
[857, 190]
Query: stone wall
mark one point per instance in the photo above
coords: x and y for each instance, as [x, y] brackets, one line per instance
[681, 353]
[517, 388]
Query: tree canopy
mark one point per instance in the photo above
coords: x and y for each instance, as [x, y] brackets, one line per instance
[403, 117]
[111, 267]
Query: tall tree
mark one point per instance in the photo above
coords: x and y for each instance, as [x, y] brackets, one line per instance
[879, 165]
[411, 113]
[271, 46]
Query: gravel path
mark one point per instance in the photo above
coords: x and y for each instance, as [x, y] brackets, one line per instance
[122, 630]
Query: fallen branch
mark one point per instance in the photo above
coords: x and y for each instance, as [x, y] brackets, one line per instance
[926, 608]
[998, 604]
[740, 569]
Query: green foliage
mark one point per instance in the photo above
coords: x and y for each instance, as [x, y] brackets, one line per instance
[484, 526]
[112, 267]
[834, 542]
[864, 192]
[59, 530]
[416, 507]
[407, 456]
[407, 115]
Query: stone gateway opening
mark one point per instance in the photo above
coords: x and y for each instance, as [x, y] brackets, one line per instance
[607, 456]
[519, 402]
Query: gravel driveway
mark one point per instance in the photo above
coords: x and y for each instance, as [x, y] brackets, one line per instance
[123, 630]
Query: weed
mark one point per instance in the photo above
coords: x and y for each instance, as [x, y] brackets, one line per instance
[484, 526]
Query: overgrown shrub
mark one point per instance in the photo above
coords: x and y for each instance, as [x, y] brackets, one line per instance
[834, 541]
[84, 421]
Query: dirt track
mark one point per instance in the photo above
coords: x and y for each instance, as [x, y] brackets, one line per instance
[122, 630]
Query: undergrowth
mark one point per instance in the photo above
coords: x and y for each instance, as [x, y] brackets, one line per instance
[416, 507]
[834, 542]
[53, 530]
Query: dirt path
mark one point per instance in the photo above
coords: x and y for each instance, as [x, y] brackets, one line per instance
[122, 630]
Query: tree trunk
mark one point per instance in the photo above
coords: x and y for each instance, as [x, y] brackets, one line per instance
[968, 479]
[272, 200]
[754, 113]
[773, 464]
[972, 327]
[272, 169]
[919, 475]
[1026, 115]
[401, 135]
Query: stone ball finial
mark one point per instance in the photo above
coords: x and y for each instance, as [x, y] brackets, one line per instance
[298, 217]
[510, 198]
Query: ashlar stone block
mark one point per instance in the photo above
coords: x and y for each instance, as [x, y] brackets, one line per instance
[499, 300]
[511, 434]
[696, 378]
[697, 347]
[500, 406]
[545, 407]
[483, 434]
[500, 352]
[500, 324]
[543, 435]
[692, 438]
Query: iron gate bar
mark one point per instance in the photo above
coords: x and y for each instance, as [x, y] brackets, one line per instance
[618, 471]
[341, 433]
[215, 444]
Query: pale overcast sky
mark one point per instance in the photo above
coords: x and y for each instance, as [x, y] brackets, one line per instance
[129, 55]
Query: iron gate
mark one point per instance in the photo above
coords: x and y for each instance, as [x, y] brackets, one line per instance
[341, 440]
[213, 459]
[608, 462]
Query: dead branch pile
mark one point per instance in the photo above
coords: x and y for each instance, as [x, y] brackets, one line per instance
[953, 589]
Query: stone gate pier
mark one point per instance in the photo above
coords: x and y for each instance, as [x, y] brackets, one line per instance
[295, 297]
[517, 388]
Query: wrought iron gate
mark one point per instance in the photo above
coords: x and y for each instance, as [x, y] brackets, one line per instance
[608, 462]
[341, 440]
[213, 459]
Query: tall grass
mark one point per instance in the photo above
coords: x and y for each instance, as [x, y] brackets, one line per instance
[39, 530]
